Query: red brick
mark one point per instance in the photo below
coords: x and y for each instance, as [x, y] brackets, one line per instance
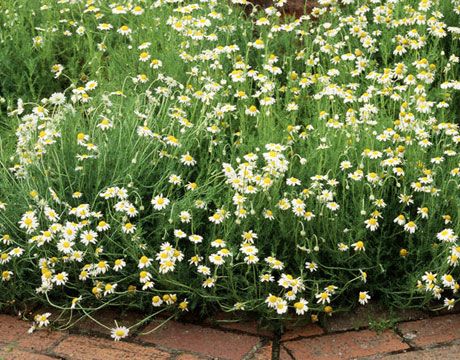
[265, 353]
[15, 330]
[16, 354]
[238, 321]
[431, 331]
[251, 327]
[302, 331]
[362, 316]
[347, 345]
[188, 357]
[11, 328]
[444, 353]
[202, 340]
[284, 354]
[40, 340]
[77, 347]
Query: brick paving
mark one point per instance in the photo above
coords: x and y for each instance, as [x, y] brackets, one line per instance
[346, 345]
[436, 337]
[431, 331]
[203, 340]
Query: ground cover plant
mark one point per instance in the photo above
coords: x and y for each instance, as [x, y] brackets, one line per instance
[193, 156]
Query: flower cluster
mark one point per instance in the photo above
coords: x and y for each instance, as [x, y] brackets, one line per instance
[256, 161]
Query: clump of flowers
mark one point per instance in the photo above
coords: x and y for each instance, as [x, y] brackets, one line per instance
[254, 162]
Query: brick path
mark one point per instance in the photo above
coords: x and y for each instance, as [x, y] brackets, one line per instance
[341, 337]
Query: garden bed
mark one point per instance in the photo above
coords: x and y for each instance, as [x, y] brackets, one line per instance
[180, 157]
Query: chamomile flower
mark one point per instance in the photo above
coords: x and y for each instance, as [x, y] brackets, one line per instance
[128, 228]
[447, 235]
[449, 303]
[42, 320]
[160, 202]
[363, 297]
[358, 246]
[188, 160]
[60, 278]
[312, 266]
[372, 224]
[323, 297]
[119, 264]
[6, 275]
[410, 227]
[144, 262]
[301, 306]
[124, 30]
[119, 332]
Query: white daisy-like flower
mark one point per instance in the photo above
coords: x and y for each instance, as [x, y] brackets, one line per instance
[363, 297]
[160, 202]
[120, 332]
[42, 320]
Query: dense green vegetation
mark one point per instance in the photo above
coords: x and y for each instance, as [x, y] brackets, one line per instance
[188, 156]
